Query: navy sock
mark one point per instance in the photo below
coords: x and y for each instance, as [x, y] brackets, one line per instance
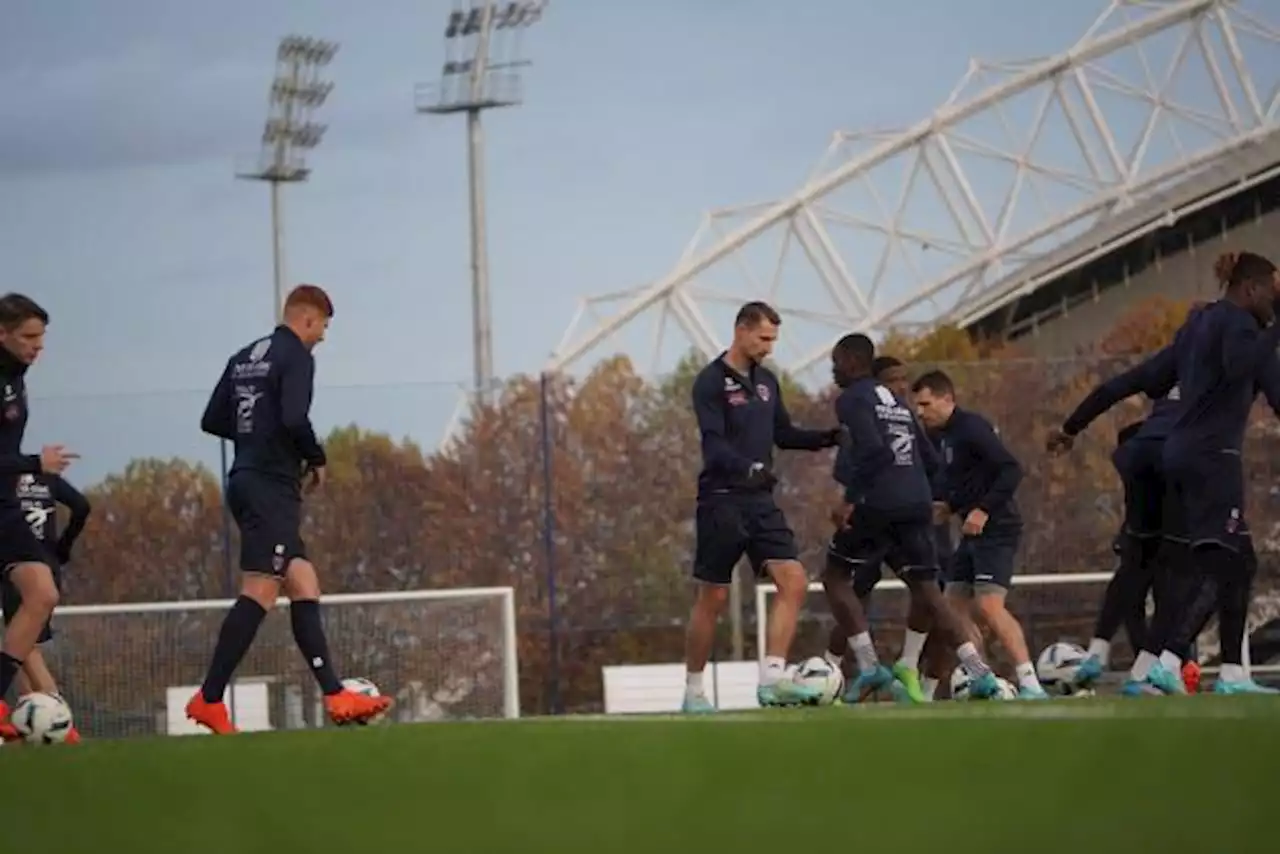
[237, 634]
[1233, 613]
[308, 633]
[9, 667]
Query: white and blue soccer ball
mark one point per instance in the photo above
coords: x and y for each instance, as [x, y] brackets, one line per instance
[42, 718]
[1056, 669]
[817, 673]
[358, 685]
[960, 683]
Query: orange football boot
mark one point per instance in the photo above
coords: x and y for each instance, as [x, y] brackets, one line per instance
[348, 707]
[1191, 676]
[8, 732]
[211, 716]
[73, 736]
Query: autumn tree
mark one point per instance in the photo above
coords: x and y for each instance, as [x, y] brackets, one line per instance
[155, 533]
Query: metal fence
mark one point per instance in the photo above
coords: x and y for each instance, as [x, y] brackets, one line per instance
[576, 492]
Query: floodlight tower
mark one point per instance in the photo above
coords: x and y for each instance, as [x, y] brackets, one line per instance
[290, 133]
[481, 71]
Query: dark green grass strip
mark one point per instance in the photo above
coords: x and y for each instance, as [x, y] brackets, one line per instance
[1163, 776]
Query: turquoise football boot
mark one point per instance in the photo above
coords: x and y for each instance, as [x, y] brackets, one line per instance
[1241, 686]
[1167, 681]
[984, 687]
[1088, 673]
[1139, 688]
[786, 692]
[1033, 692]
[697, 704]
[868, 682]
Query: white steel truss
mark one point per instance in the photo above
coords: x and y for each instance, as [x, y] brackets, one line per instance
[907, 228]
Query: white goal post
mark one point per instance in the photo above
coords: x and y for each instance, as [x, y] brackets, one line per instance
[765, 590]
[128, 668]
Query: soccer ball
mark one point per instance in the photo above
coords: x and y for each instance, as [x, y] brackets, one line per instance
[42, 719]
[960, 682]
[818, 674]
[359, 685]
[1057, 666]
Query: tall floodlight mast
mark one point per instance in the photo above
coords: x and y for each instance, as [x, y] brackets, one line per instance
[481, 71]
[296, 93]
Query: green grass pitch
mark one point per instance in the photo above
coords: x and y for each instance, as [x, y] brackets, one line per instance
[1174, 775]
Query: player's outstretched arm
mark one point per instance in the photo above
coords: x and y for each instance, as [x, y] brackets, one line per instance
[297, 383]
[1153, 377]
[1008, 469]
[73, 499]
[219, 413]
[867, 455]
[789, 437]
[717, 451]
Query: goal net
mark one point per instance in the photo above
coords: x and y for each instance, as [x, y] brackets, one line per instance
[129, 669]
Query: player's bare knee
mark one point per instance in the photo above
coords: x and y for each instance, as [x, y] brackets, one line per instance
[301, 583]
[835, 580]
[790, 579]
[712, 598]
[36, 585]
[990, 606]
[261, 588]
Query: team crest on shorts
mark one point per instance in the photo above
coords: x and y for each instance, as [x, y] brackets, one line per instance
[763, 391]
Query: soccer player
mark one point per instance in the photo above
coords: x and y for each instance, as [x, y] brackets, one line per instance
[890, 372]
[24, 561]
[1220, 354]
[887, 517]
[39, 496]
[262, 403]
[741, 417]
[1152, 546]
[979, 479]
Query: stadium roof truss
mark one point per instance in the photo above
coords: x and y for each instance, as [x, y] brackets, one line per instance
[906, 228]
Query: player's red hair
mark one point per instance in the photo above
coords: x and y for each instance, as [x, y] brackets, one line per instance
[1225, 266]
[310, 296]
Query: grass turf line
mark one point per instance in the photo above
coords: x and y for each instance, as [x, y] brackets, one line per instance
[1169, 775]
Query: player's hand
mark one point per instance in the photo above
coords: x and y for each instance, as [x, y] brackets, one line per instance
[1059, 441]
[941, 512]
[313, 479]
[54, 459]
[842, 515]
[760, 476]
[837, 437]
[974, 523]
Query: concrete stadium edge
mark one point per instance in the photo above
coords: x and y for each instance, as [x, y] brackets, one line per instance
[1164, 245]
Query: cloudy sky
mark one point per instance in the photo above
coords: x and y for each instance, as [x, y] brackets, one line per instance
[121, 123]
